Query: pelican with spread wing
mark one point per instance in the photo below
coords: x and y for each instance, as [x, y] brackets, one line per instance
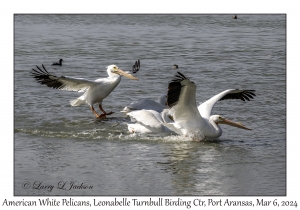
[94, 91]
[190, 120]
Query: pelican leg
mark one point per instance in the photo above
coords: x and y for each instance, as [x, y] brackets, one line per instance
[95, 113]
[104, 112]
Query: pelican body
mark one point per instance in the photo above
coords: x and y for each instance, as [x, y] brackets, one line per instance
[94, 91]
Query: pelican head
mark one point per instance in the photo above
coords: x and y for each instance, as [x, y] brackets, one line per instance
[113, 69]
[221, 120]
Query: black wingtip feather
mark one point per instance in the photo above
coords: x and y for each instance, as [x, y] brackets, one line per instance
[45, 68]
[136, 67]
[181, 75]
[173, 93]
[174, 89]
[178, 77]
[42, 76]
[244, 95]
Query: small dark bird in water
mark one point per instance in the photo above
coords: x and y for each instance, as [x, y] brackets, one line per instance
[175, 66]
[234, 17]
[58, 64]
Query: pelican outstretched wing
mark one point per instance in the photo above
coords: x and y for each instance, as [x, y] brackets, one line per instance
[181, 99]
[206, 107]
[43, 77]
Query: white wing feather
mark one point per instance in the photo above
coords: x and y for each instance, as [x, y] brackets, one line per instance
[144, 103]
[205, 108]
[148, 118]
[186, 108]
[73, 84]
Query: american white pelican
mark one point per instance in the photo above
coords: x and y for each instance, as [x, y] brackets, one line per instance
[149, 104]
[58, 64]
[94, 91]
[197, 122]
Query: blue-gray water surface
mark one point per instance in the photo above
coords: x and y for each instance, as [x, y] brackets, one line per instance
[59, 145]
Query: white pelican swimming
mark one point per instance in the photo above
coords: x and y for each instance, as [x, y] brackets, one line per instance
[183, 116]
[193, 121]
[94, 91]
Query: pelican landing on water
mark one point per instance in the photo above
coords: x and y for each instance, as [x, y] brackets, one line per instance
[94, 91]
[190, 120]
[182, 115]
